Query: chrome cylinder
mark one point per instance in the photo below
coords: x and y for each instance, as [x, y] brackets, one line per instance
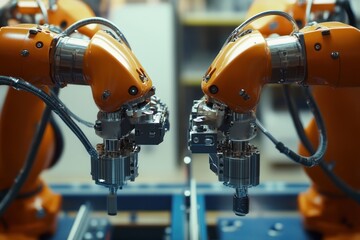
[68, 61]
[243, 127]
[287, 59]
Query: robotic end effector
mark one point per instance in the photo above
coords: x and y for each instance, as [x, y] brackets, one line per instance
[225, 135]
[129, 112]
[223, 122]
[143, 123]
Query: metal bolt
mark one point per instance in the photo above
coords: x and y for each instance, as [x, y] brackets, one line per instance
[244, 94]
[25, 53]
[317, 46]
[39, 44]
[335, 55]
[106, 94]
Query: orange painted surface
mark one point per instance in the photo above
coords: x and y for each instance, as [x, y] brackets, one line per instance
[21, 55]
[241, 65]
[325, 207]
[322, 67]
[111, 66]
[279, 25]
[21, 114]
[63, 15]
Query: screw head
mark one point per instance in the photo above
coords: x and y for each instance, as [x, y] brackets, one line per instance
[335, 55]
[106, 94]
[133, 90]
[39, 44]
[213, 89]
[25, 53]
[317, 46]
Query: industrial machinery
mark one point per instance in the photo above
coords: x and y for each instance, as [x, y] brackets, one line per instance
[223, 122]
[37, 60]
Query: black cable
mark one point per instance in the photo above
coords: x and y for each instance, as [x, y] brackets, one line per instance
[6, 11]
[345, 4]
[315, 158]
[59, 141]
[350, 192]
[59, 138]
[51, 104]
[57, 107]
[98, 20]
[20, 179]
[241, 27]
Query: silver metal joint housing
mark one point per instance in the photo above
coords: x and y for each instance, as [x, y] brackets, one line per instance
[68, 61]
[287, 59]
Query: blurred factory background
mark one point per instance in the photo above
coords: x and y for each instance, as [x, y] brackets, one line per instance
[176, 41]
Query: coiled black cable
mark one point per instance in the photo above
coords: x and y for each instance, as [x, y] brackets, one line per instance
[315, 158]
[51, 105]
[350, 192]
[57, 107]
[20, 179]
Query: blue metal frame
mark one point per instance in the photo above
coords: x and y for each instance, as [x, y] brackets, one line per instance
[171, 198]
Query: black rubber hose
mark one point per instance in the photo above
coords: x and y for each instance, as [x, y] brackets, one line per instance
[59, 141]
[345, 4]
[20, 179]
[57, 107]
[315, 158]
[339, 183]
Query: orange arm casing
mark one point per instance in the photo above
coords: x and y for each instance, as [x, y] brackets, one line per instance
[24, 54]
[65, 13]
[115, 75]
[279, 25]
[238, 73]
[332, 54]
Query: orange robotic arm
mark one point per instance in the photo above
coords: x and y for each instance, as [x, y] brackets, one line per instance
[59, 13]
[298, 9]
[129, 114]
[322, 54]
[42, 57]
[224, 122]
[23, 146]
[121, 88]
